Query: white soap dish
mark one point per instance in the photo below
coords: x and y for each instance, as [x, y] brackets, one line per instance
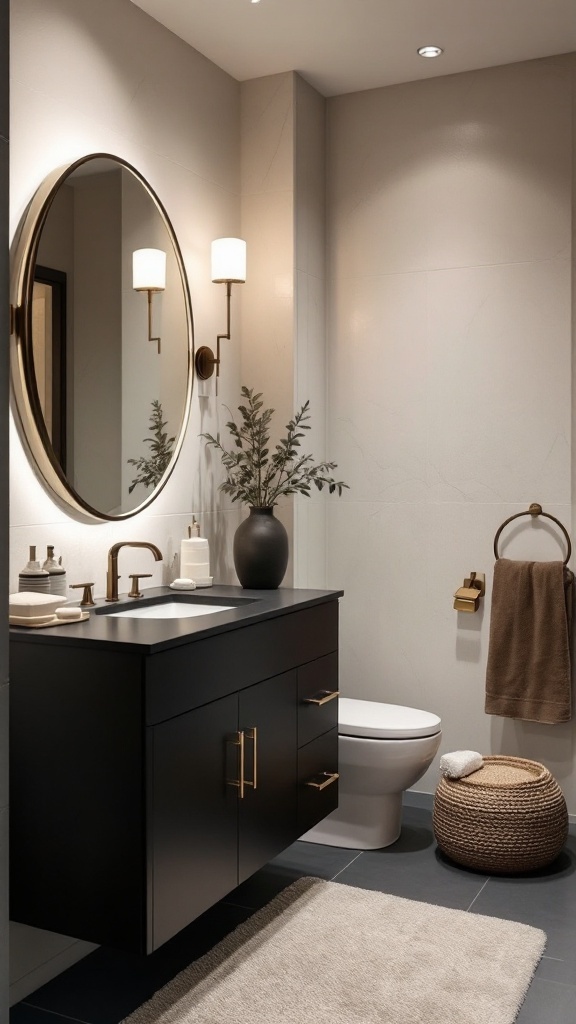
[183, 584]
[27, 605]
[206, 581]
[31, 621]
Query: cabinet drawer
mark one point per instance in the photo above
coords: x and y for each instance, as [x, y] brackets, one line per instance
[317, 790]
[317, 707]
[186, 677]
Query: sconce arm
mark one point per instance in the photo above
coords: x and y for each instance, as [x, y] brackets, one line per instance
[227, 335]
[150, 338]
[205, 358]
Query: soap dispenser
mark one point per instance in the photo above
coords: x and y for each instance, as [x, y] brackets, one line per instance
[56, 572]
[33, 577]
[195, 557]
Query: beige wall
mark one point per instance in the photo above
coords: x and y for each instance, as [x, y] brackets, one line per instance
[450, 406]
[105, 77]
[310, 323]
[80, 85]
[283, 301]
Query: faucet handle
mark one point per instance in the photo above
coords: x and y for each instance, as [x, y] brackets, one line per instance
[135, 576]
[87, 597]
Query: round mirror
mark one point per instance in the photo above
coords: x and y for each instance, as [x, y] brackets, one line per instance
[102, 339]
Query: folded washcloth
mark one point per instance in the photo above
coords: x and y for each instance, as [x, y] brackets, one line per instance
[460, 763]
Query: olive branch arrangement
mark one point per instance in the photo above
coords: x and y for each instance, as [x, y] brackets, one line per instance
[258, 475]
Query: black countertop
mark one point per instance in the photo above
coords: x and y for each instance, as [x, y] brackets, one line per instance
[153, 635]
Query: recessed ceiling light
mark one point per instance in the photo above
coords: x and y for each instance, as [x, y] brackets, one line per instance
[430, 51]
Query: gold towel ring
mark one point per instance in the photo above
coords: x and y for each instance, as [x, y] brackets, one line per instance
[534, 510]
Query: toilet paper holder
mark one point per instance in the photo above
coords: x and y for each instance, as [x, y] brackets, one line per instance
[467, 597]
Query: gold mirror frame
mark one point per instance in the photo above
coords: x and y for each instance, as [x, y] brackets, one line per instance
[30, 418]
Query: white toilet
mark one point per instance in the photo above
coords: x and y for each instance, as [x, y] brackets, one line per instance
[383, 749]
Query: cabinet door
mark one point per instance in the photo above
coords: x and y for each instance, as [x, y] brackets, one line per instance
[193, 816]
[268, 810]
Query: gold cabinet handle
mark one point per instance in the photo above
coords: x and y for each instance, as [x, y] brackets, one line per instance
[252, 734]
[239, 782]
[322, 697]
[322, 780]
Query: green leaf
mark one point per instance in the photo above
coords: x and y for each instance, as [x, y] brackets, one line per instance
[259, 478]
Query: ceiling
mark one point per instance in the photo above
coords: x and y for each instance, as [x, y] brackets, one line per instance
[342, 46]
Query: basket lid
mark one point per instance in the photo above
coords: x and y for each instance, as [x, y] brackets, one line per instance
[506, 771]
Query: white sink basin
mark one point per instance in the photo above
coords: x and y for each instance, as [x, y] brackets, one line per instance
[171, 610]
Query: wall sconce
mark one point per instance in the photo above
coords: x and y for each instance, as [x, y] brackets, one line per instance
[228, 267]
[149, 275]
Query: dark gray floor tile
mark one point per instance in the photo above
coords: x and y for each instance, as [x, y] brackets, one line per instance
[413, 868]
[23, 1014]
[298, 860]
[557, 969]
[315, 859]
[545, 899]
[108, 985]
[548, 1002]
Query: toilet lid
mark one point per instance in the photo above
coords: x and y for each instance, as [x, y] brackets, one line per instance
[384, 721]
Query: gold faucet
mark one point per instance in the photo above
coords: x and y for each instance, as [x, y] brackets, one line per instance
[112, 576]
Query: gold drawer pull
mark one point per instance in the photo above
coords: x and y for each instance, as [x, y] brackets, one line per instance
[327, 777]
[322, 697]
[252, 734]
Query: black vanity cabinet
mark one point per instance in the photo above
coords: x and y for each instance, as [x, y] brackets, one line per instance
[223, 798]
[147, 783]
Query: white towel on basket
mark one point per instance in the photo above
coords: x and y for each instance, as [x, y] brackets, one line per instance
[460, 763]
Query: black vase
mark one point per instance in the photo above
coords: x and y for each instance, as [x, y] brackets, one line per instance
[261, 550]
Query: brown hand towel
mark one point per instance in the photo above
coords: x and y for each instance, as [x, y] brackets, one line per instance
[528, 672]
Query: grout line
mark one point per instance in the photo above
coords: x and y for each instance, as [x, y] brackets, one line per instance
[346, 866]
[54, 956]
[53, 1013]
[241, 906]
[480, 891]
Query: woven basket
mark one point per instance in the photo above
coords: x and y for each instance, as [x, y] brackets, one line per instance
[507, 817]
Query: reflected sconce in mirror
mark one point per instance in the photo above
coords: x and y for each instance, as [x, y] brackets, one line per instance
[228, 267]
[149, 275]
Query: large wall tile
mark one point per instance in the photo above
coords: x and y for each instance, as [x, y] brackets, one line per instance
[267, 134]
[498, 383]
[378, 419]
[267, 302]
[310, 359]
[115, 65]
[457, 171]
[310, 179]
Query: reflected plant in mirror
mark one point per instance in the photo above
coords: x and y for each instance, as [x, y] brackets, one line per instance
[83, 371]
[152, 469]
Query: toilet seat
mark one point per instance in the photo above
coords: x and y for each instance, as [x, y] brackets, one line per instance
[374, 720]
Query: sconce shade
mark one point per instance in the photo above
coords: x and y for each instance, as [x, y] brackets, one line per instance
[149, 270]
[228, 260]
